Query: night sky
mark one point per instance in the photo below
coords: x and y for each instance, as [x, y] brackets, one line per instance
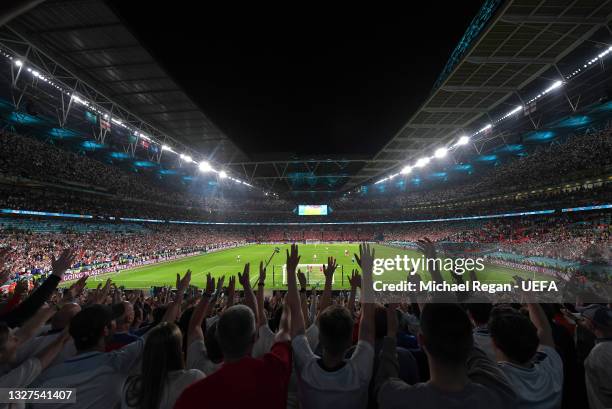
[303, 79]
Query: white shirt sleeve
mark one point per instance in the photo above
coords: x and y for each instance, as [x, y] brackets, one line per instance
[552, 364]
[197, 358]
[23, 375]
[312, 334]
[302, 354]
[124, 359]
[264, 342]
[362, 361]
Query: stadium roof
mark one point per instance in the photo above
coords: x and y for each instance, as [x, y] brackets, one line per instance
[87, 38]
[508, 46]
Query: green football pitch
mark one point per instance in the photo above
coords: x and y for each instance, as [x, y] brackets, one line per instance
[231, 261]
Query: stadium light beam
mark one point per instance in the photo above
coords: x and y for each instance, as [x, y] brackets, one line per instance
[464, 140]
[422, 162]
[18, 63]
[222, 174]
[440, 153]
[205, 167]
[406, 170]
[554, 86]
[186, 158]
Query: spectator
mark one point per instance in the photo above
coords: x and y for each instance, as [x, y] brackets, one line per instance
[163, 376]
[243, 381]
[526, 354]
[598, 364]
[331, 381]
[461, 375]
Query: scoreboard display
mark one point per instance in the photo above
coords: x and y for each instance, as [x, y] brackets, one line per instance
[312, 210]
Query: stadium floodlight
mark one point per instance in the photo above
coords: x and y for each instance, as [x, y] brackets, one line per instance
[222, 174]
[166, 148]
[422, 162]
[485, 128]
[555, 85]
[186, 158]
[406, 170]
[18, 63]
[464, 140]
[205, 167]
[440, 153]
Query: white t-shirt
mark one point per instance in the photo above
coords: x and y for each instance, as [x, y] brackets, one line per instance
[346, 387]
[176, 384]
[197, 358]
[97, 376]
[20, 377]
[598, 374]
[264, 342]
[538, 387]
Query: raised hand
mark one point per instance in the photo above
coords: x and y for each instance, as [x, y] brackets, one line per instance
[63, 262]
[427, 247]
[301, 279]
[210, 285]
[354, 279]
[293, 259]
[262, 273]
[330, 268]
[365, 259]
[76, 289]
[231, 290]
[244, 278]
[183, 283]
[220, 281]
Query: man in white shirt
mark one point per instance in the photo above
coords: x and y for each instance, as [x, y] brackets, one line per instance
[598, 364]
[97, 376]
[526, 353]
[331, 381]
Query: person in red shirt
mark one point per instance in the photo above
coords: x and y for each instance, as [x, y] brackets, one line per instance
[243, 381]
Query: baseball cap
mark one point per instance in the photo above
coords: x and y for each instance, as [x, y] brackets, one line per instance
[87, 325]
[599, 315]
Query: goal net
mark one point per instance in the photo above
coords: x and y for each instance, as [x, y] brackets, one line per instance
[314, 273]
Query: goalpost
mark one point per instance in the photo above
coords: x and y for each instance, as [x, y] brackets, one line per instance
[314, 273]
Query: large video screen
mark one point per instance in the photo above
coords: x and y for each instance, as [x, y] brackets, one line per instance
[312, 210]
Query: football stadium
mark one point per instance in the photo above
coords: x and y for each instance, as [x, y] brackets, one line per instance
[289, 206]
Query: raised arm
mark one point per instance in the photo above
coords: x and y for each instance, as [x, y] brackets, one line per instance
[428, 248]
[366, 325]
[328, 271]
[303, 297]
[231, 291]
[29, 307]
[48, 354]
[261, 285]
[173, 308]
[389, 364]
[30, 327]
[249, 296]
[293, 297]
[208, 299]
[355, 281]
[538, 317]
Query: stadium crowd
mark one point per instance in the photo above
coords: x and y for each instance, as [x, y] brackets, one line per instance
[225, 346]
[79, 184]
[111, 247]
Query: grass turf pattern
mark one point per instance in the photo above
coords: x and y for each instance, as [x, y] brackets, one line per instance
[231, 261]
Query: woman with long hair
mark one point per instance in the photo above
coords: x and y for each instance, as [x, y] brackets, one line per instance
[163, 375]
